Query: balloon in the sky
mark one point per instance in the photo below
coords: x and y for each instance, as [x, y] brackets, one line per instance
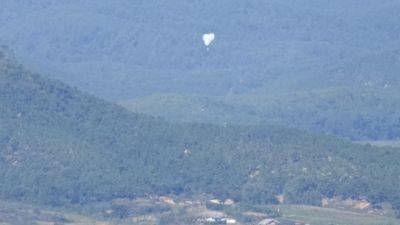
[208, 38]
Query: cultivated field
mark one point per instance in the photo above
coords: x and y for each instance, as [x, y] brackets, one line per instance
[326, 216]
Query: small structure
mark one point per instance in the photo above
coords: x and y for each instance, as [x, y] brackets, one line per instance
[210, 220]
[254, 173]
[167, 200]
[109, 212]
[230, 221]
[229, 202]
[215, 201]
[144, 218]
[362, 205]
[325, 202]
[268, 222]
[213, 220]
[187, 152]
[280, 198]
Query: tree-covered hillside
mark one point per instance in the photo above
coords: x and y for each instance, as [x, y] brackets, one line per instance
[363, 114]
[58, 145]
[124, 50]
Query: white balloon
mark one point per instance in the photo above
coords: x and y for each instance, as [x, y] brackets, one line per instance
[208, 38]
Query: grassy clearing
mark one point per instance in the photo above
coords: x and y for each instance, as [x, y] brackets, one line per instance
[325, 216]
[388, 143]
[16, 213]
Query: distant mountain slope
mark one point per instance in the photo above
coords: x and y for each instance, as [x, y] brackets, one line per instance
[124, 50]
[58, 145]
[362, 114]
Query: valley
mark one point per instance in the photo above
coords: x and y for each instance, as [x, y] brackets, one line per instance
[156, 210]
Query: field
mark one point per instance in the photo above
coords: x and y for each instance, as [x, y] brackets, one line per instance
[326, 216]
[383, 143]
[12, 213]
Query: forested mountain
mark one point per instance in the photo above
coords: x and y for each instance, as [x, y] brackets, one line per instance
[125, 50]
[58, 145]
[363, 114]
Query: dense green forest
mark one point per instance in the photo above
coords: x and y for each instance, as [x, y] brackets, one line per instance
[319, 65]
[125, 49]
[60, 146]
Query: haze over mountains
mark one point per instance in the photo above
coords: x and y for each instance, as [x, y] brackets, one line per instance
[115, 109]
[60, 146]
[294, 63]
